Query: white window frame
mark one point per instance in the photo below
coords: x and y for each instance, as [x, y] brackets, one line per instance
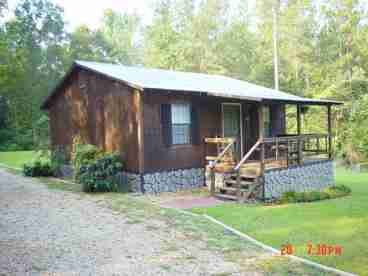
[181, 121]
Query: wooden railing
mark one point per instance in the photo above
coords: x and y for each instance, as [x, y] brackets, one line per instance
[291, 148]
[249, 153]
[229, 148]
[294, 149]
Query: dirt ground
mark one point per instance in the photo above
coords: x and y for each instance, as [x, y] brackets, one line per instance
[47, 231]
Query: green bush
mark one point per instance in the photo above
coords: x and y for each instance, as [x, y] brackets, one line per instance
[329, 192]
[38, 168]
[82, 155]
[337, 191]
[315, 195]
[324, 195]
[300, 197]
[100, 175]
[289, 196]
[58, 158]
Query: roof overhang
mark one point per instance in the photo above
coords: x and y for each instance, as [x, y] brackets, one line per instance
[278, 97]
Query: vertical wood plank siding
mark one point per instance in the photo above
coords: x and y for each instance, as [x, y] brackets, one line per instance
[101, 111]
[108, 114]
[158, 156]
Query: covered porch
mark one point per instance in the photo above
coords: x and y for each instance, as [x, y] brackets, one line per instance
[243, 166]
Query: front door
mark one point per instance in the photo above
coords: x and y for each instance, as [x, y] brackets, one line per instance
[231, 114]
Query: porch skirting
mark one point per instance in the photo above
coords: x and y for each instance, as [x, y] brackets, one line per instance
[314, 175]
[167, 181]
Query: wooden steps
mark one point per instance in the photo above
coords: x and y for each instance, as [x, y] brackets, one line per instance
[226, 197]
[249, 185]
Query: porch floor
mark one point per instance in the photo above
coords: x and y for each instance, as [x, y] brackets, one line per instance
[252, 167]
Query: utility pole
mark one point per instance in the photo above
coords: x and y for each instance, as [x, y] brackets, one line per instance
[275, 50]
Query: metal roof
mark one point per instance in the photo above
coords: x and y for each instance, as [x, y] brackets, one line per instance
[214, 85]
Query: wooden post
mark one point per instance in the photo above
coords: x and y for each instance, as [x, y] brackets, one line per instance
[262, 159]
[299, 131]
[260, 121]
[238, 185]
[261, 134]
[329, 126]
[139, 117]
[212, 181]
[298, 119]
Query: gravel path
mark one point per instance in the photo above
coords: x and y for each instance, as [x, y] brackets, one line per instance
[51, 232]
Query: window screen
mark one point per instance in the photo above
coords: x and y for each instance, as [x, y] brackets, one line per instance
[266, 121]
[180, 119]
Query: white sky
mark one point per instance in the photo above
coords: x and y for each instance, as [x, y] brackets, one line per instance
[89, 12]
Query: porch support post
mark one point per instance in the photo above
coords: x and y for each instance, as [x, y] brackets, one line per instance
[329, 127]
[261, 135]
[298, 119]
[299, 132]
[212, 181]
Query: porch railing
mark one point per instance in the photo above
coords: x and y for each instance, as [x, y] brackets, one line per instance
[292, 149]
[228, 151]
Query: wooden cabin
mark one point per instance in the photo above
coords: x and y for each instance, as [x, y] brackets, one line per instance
[177, 130]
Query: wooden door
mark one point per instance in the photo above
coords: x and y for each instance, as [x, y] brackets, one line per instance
[231, 114]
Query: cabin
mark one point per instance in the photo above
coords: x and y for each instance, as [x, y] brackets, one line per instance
[177, 130]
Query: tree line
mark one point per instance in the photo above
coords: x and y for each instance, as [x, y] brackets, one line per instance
[322, 53]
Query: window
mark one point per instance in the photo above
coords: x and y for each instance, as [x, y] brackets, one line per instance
[180, 123]
[266, 121]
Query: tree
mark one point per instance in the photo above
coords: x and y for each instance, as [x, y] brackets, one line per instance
[86, 44]
[33, 40]
[120, 31]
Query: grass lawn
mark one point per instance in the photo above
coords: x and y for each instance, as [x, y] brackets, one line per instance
[342, 222]
[16, 159]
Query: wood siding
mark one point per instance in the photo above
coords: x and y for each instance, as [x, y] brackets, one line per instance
[158, 156]
[102, 111]
[115, 117]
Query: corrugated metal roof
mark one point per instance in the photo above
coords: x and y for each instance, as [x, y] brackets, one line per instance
[214, 85]
[183, 81]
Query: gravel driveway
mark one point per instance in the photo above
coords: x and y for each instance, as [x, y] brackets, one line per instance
[50, 232]
[53, 232]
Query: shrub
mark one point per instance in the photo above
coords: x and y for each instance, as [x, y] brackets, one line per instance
[100, 175]
[315, 195]
[300, 197]
[58, 158]
[38, 168]
[324, 195]
[289, 196]
[82, 155]
[337, 191]
[329, 192]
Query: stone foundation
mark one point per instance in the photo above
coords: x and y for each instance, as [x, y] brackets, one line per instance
[134, 182]
[65, 171]
[312, 176]
[172, 181]
[167, 181]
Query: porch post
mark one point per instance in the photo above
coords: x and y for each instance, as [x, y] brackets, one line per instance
[260, 135]
[299, 132]
[329, 127]
[298, 119]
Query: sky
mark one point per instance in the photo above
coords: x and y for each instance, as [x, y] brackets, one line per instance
[90, 12]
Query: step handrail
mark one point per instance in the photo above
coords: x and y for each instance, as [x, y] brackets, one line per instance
[218, 158]
[249, 153]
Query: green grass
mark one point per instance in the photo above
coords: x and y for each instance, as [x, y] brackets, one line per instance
[16, 159]
[342, 221]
